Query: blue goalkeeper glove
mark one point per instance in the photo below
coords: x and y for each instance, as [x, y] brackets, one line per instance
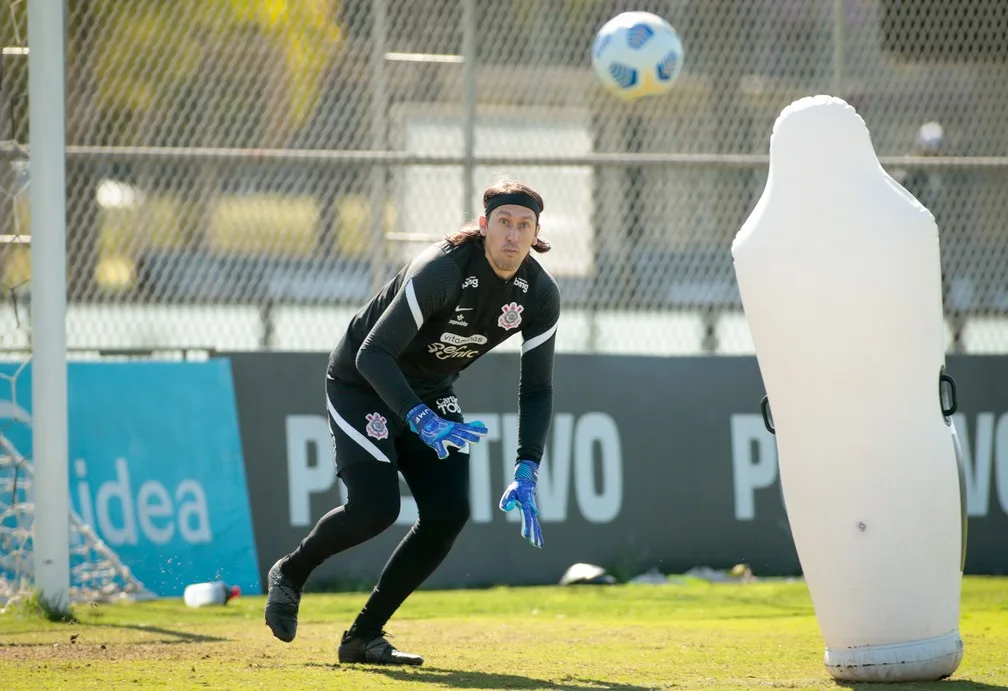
[439, 433]
[521, 493]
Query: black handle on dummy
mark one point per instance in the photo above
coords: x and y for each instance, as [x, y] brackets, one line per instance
[767, 416]
[953, 403]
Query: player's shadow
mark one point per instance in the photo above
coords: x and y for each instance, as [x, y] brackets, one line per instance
[468, 679]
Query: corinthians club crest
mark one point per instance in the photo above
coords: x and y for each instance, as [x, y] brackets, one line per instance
[376, 426]
[510, 316]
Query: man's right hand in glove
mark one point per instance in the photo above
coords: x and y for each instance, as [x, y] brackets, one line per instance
[439, 433]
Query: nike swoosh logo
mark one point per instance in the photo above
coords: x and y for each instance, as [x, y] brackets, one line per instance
[463, 309]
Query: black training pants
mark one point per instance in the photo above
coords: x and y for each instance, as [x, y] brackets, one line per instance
[372, 447]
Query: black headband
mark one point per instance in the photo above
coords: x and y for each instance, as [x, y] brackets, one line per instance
[518, 198]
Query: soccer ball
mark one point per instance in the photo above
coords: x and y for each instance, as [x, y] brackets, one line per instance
[637, 54]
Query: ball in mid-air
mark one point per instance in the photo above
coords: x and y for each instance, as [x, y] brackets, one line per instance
[637, 54]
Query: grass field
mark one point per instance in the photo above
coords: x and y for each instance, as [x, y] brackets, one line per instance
[692, 635]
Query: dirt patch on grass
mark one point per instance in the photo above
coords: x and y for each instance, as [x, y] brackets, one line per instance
[92, 651]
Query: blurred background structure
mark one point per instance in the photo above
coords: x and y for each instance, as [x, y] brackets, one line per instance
[241, 174]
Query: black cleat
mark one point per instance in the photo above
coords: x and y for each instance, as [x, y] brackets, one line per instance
[282, 601]
[374, 651]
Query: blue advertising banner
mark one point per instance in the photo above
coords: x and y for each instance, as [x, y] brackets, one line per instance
[156, 467]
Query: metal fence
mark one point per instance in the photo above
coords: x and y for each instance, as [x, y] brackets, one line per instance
[242, 173]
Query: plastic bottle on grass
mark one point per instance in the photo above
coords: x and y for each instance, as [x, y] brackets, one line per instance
[213, 593]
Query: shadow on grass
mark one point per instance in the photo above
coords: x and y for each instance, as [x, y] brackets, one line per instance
[167, 636]
[469, 679]
[170, 635]
[943, 685]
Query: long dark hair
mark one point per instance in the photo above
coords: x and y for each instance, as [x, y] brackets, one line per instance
[471, 230]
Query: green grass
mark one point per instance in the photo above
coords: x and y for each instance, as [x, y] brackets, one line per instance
[35, 606]
[587, 637]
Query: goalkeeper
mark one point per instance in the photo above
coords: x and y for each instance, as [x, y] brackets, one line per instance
[391, 404]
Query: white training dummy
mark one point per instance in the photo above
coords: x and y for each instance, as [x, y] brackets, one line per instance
[839, 273]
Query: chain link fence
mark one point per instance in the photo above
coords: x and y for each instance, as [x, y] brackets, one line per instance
[243, 173]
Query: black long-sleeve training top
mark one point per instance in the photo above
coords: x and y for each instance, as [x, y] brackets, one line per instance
[441, 312]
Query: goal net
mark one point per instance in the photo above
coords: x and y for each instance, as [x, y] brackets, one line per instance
[96, 572]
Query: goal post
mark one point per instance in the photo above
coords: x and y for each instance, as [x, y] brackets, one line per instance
[47, 203]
